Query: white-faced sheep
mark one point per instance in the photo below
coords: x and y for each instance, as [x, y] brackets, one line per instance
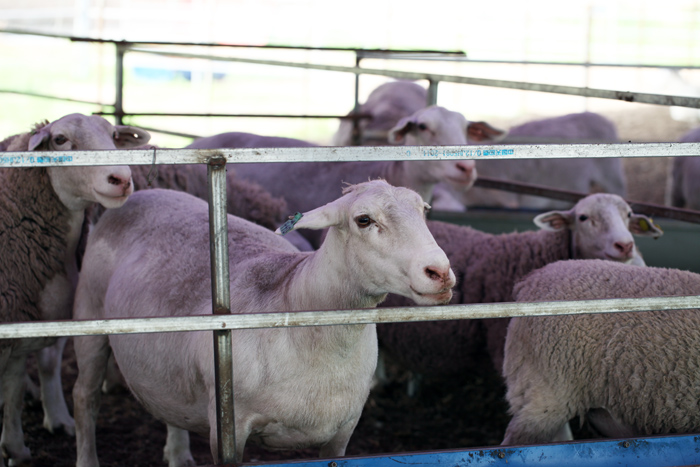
[628, 374]
[584, 175]
[396, 118]
[294, 387]
[305, 185]
[685, 189]
[41, 217]
[487, 266]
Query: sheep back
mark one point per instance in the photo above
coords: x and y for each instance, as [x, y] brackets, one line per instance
[642, 366]
[245, 198]
[486, 266]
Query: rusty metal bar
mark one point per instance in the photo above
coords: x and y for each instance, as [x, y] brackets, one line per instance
[221, 304]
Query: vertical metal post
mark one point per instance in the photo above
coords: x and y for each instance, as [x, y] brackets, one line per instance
[119, 84]
[356, 131]
[432, 92]
[221, 304]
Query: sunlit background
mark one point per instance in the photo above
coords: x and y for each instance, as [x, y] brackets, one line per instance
[600, 32]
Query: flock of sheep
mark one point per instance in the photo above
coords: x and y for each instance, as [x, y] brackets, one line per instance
[115, 242]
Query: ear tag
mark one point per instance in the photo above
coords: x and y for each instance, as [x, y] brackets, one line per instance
[644, 225]
[289, 225]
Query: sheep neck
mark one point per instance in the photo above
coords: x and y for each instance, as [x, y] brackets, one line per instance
[322, 280]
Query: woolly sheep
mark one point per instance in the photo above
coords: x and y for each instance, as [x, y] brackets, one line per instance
[487, 266]
[41, 218]
[305, 185]
[584, 175]
[685, 189]
[297, 386]
[245, 199]
[629, 374]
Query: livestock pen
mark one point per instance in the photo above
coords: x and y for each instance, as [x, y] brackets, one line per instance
[660, 448]
[666, 450]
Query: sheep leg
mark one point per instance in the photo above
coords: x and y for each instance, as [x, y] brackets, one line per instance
[56, 414]
[12, 439]
[177, 448]
[337, 445]
[92, 353]
[532, 426]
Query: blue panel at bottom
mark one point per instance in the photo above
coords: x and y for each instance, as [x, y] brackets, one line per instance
[682, 450]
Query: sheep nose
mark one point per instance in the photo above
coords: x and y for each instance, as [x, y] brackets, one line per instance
[439, 274]
[121, 178]
[624, 247]
[466, 166]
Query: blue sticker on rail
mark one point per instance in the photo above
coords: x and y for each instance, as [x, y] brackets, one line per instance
[35, 159]
[464, 153]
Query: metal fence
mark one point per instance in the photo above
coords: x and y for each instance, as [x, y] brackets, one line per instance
[221, 322]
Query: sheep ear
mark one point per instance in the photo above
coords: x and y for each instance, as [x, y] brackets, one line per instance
[397, 135]
[554, 220]
[40, 139]
[644, 226]
[317, 219]
[482, 131]
[126, 136]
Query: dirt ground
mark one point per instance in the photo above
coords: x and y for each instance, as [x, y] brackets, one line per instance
[464, 412]
[447, 413]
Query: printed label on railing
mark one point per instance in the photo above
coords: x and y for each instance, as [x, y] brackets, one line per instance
[35, 159]
[464, 153]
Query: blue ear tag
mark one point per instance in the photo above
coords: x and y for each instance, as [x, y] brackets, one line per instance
[289, 225]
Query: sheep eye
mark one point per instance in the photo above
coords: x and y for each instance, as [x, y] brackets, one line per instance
[363, 221]
[422, 126]
[583, 217]
[60, 139]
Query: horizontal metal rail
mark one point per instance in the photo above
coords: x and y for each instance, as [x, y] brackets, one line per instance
[680, 214]
[46, 96]
[341, 317]
[220, 44]
[168, 132]
[639, 97]
[194, 114]
[339, 154]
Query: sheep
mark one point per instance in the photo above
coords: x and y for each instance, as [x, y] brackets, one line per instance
[391, 103]
[235, 139]
[685, 190]
[584, 175]
[294, 387]
[629, 374]
[245, 199]
[41, 218]
[304, 185]
[394, 103]
[487, 266]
